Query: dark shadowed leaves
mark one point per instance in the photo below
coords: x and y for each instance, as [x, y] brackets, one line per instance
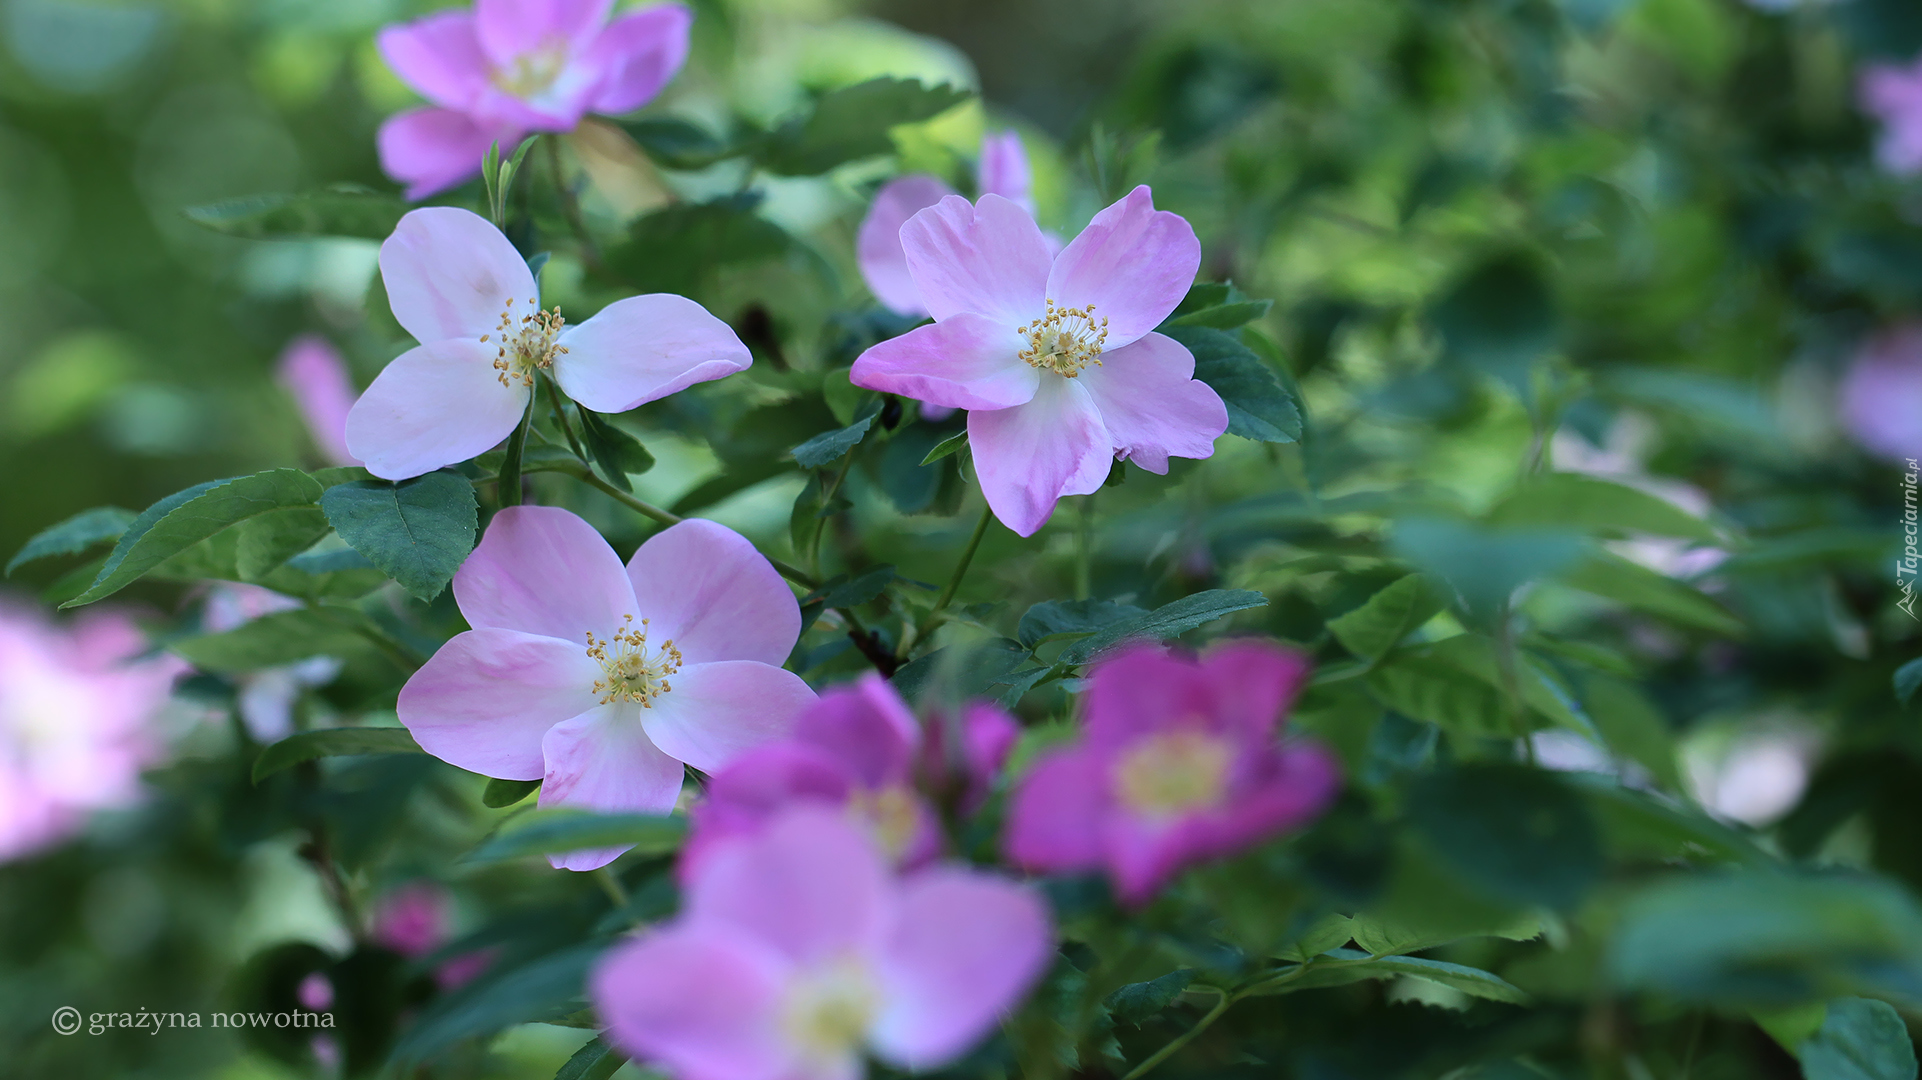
[1136, 1002]
[1169, 620]
[332, 742]
[1500, 319]
[1517, 834]
[1071, 618]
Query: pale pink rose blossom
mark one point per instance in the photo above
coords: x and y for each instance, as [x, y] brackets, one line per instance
[1178, 764]
[265, 698]
[76, 705]
[796, 950]
[601, 680]
[316, 378]
[509, 67]
[1893, 94]
[461, 289]
[1881, 396]
[1054, 356]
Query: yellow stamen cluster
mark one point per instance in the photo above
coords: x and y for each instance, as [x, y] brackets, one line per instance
[526, 343]
[1173, 773]
[827, 1013]
[632, 672]
[1065, 340]
[891, 816]
[532, 72]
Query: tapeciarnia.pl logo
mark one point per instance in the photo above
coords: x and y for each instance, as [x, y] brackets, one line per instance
[1905, 567]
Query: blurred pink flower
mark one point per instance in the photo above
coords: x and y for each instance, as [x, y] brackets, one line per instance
[1623, 460]
[1055, 357]
[796, 949]
[509, 67]
[461, 289]
[1893, 94]
[1178, 765]
[266, 697]
[75, 706]
[416, 919]
[315, 992]
[1881, 396]
[315, 375]
[599, 679]
[966, 749]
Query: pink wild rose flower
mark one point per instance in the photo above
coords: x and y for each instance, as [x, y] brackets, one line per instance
[509, 67]
[601, 680]
[316, 378]
[1893, 95]
[1054, 356]
[1881, 396]
[1178, 765]
[461, 289]
[796, 949]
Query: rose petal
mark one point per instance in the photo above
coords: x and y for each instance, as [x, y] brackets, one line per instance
[602, 760]
[451, 274]
[962, 362]
[636, 55]
[810, 885]
[1133, 263]
[431, 150]
[1031, 455]
[1141, 689]
[486, 698]
[1055, 816]
[706, 587]
[511, 29]
[439, 56]
[1004, 170]
[1253, 682]
[1152, 405]
[702, 1001]
[717, 712]
[433, 406]
[988, 258]
[754, 788]
[964, 949]
[877, 247]
[644, 348]
[867, 727]
[543, 570]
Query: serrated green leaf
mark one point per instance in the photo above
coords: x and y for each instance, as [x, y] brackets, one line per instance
[1140, 1001]
[499, 793]
[1860, 1039]
[1227, 316]
[1331, 931]
[615, 452]
[185, 518]
[953, 444]
[1572, 500]
[1383, 936]
[282, 637]
[678, 144]
[1635, 586]
[686, 242]
[1169, 620]
[264, 543]
[418, 531]
[84, 530]
[832, 445]
[560, 830]
[1063, 618]
[843, 591]
[343, 210]
[1340, 967]
[852, 123]
[333, 742]
[1375, 627]
[1259, 407]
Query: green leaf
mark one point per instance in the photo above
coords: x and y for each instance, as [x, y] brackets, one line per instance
[616, 452]
[594, 1061]
[1572, 500]
[1499, 319]
[1137, 1002]
[687, 242]
[1384, 936]
[832, 445]
[545, 988]
[418, 531]
[852, 123]
[1328, 932]
[185, 518]
[1259, 407]
[1485, 565]
[1169, 620]
[1636, 824]
[499, 793]
[1071, 618]
[1517, 834]
[1632, 726]
[958, 672]
[1226, 316]
[1635, 586]
[533, 459]
[560, 830]
[841, 590]
[1457, 683]
[341, 210]
[953, 444]
[333, 742]
[1861, 1039]
[84, 530]
[263, 544]
[1340, 967]
[1377, 626]
[678, 144]
[1907, 678]
[282, 637]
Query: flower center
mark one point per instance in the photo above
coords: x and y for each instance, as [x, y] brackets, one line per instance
[890, 816]
[526, 343]
[532, 72]
[1174, 773]
[828, 1010]
[630, 670]
[1064, 340]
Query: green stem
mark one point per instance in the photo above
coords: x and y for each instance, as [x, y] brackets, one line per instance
[570, 205]
[1186, 1037]
[611, 885]
[560, 417]
[821, 523]
[927, 622]
[509, 484]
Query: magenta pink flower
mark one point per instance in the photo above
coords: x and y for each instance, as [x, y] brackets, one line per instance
[1893, 95]
[1178, 765]
[413, 919]
[76, 705]
[796, 949]
[461, 289]
[1881, 396]
[316, 377]
[1055, 358]
[964, 750]
[601, 680]
[514, 66]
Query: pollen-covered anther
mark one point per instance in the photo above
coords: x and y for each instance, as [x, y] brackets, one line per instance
[526, 343]
[630, 670]
[1065, 339]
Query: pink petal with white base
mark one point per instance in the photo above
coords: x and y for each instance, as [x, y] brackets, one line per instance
[717, 712]
[543, 570]
[988, 258]
[964, 950]
[511, 29]
[644, 348]
[877, 247]
[485, 699]
[433, 406]
[636, 55]
[433, 149]
[439, 56]
[705, 586]
[450, 274]
[602, 760]
[809, 884]
[961, 362]
[1031, 455]
[1152, 405]
[703, 1001]
[1133, 262]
